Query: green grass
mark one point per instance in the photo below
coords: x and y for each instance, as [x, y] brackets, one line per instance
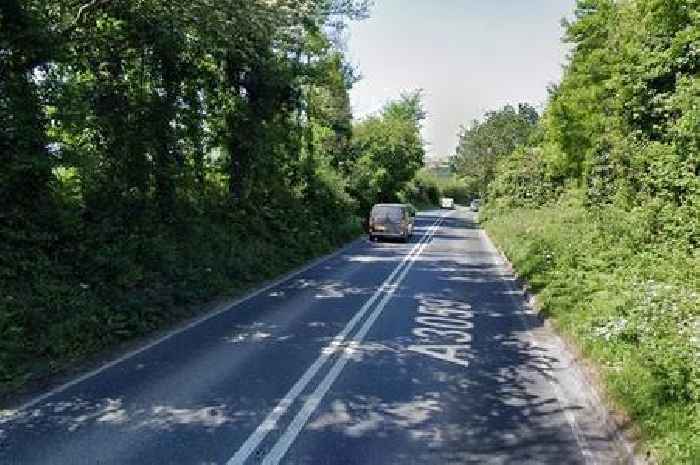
[628, 298]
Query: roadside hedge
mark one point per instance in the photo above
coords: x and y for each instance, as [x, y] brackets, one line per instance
[630, 301]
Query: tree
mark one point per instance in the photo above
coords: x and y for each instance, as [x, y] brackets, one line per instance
[25, 47]
[388, 151]
[623, 121]
[484, 143]
[153, 147]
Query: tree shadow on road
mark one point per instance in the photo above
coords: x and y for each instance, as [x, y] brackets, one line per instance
[500, 409]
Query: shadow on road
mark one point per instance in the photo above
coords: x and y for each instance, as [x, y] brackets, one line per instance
[500, 409]
[403, 406]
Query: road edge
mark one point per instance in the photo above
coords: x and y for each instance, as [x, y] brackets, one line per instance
[626, 438]
[111, 357]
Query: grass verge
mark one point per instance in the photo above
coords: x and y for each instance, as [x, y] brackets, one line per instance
[630, 301]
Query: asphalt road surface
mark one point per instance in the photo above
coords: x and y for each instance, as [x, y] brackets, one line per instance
[383, 353]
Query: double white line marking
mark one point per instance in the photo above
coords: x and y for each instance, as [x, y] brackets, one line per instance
[285, 441]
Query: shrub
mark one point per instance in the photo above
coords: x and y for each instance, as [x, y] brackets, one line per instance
[627, 291]
[422, 190]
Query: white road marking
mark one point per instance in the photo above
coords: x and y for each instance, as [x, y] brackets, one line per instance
[285, 441]
[270, 422]
[444, 322]
[451, 326]
[216, 312]
[447, 353]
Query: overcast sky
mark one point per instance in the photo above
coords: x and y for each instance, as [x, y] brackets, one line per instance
[468, 55]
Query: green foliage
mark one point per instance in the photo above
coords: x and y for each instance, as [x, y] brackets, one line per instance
[523, 179]
[456, 188]
[388, 151]
[630, 85]
[622, 127]
[156, 154]
[484, 143]
[430, 184]
[422, 190]
[632, 303]
[624, 121]
[25, 178]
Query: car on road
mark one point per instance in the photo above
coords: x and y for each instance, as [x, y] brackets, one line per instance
[448, 203]
[474, 206]
[392, 220]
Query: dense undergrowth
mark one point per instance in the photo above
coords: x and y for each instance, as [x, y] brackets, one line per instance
[87, 288]
[631, 302]
[426, 188]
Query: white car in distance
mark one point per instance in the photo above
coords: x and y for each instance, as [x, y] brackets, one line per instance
[447, 202]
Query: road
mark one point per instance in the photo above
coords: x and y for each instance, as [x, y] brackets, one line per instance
[383, 353]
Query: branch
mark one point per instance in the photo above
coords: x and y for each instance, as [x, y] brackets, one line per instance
[71, 27]
[92, 4]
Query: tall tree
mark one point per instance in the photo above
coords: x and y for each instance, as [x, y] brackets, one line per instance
[485, 142]
[388, 150]
[26, 46]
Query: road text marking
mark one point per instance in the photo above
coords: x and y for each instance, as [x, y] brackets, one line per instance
[270, 422]
[443, 330]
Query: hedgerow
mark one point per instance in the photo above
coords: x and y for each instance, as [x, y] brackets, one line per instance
[631, 302]
[600, 209]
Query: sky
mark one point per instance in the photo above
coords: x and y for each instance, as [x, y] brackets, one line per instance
[469, 56]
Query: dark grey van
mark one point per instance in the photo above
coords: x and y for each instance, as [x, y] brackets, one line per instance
[391, 220]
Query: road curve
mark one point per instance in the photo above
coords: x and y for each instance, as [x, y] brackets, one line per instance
[385, 353]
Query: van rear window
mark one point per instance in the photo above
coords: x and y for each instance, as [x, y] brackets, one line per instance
[394, 213]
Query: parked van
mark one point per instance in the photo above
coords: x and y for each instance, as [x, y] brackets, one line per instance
[394, 220]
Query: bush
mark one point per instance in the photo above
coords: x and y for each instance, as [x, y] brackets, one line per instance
[457, 189]
[423, 190]
[522, 179]
[629, 295]
[87, 288]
